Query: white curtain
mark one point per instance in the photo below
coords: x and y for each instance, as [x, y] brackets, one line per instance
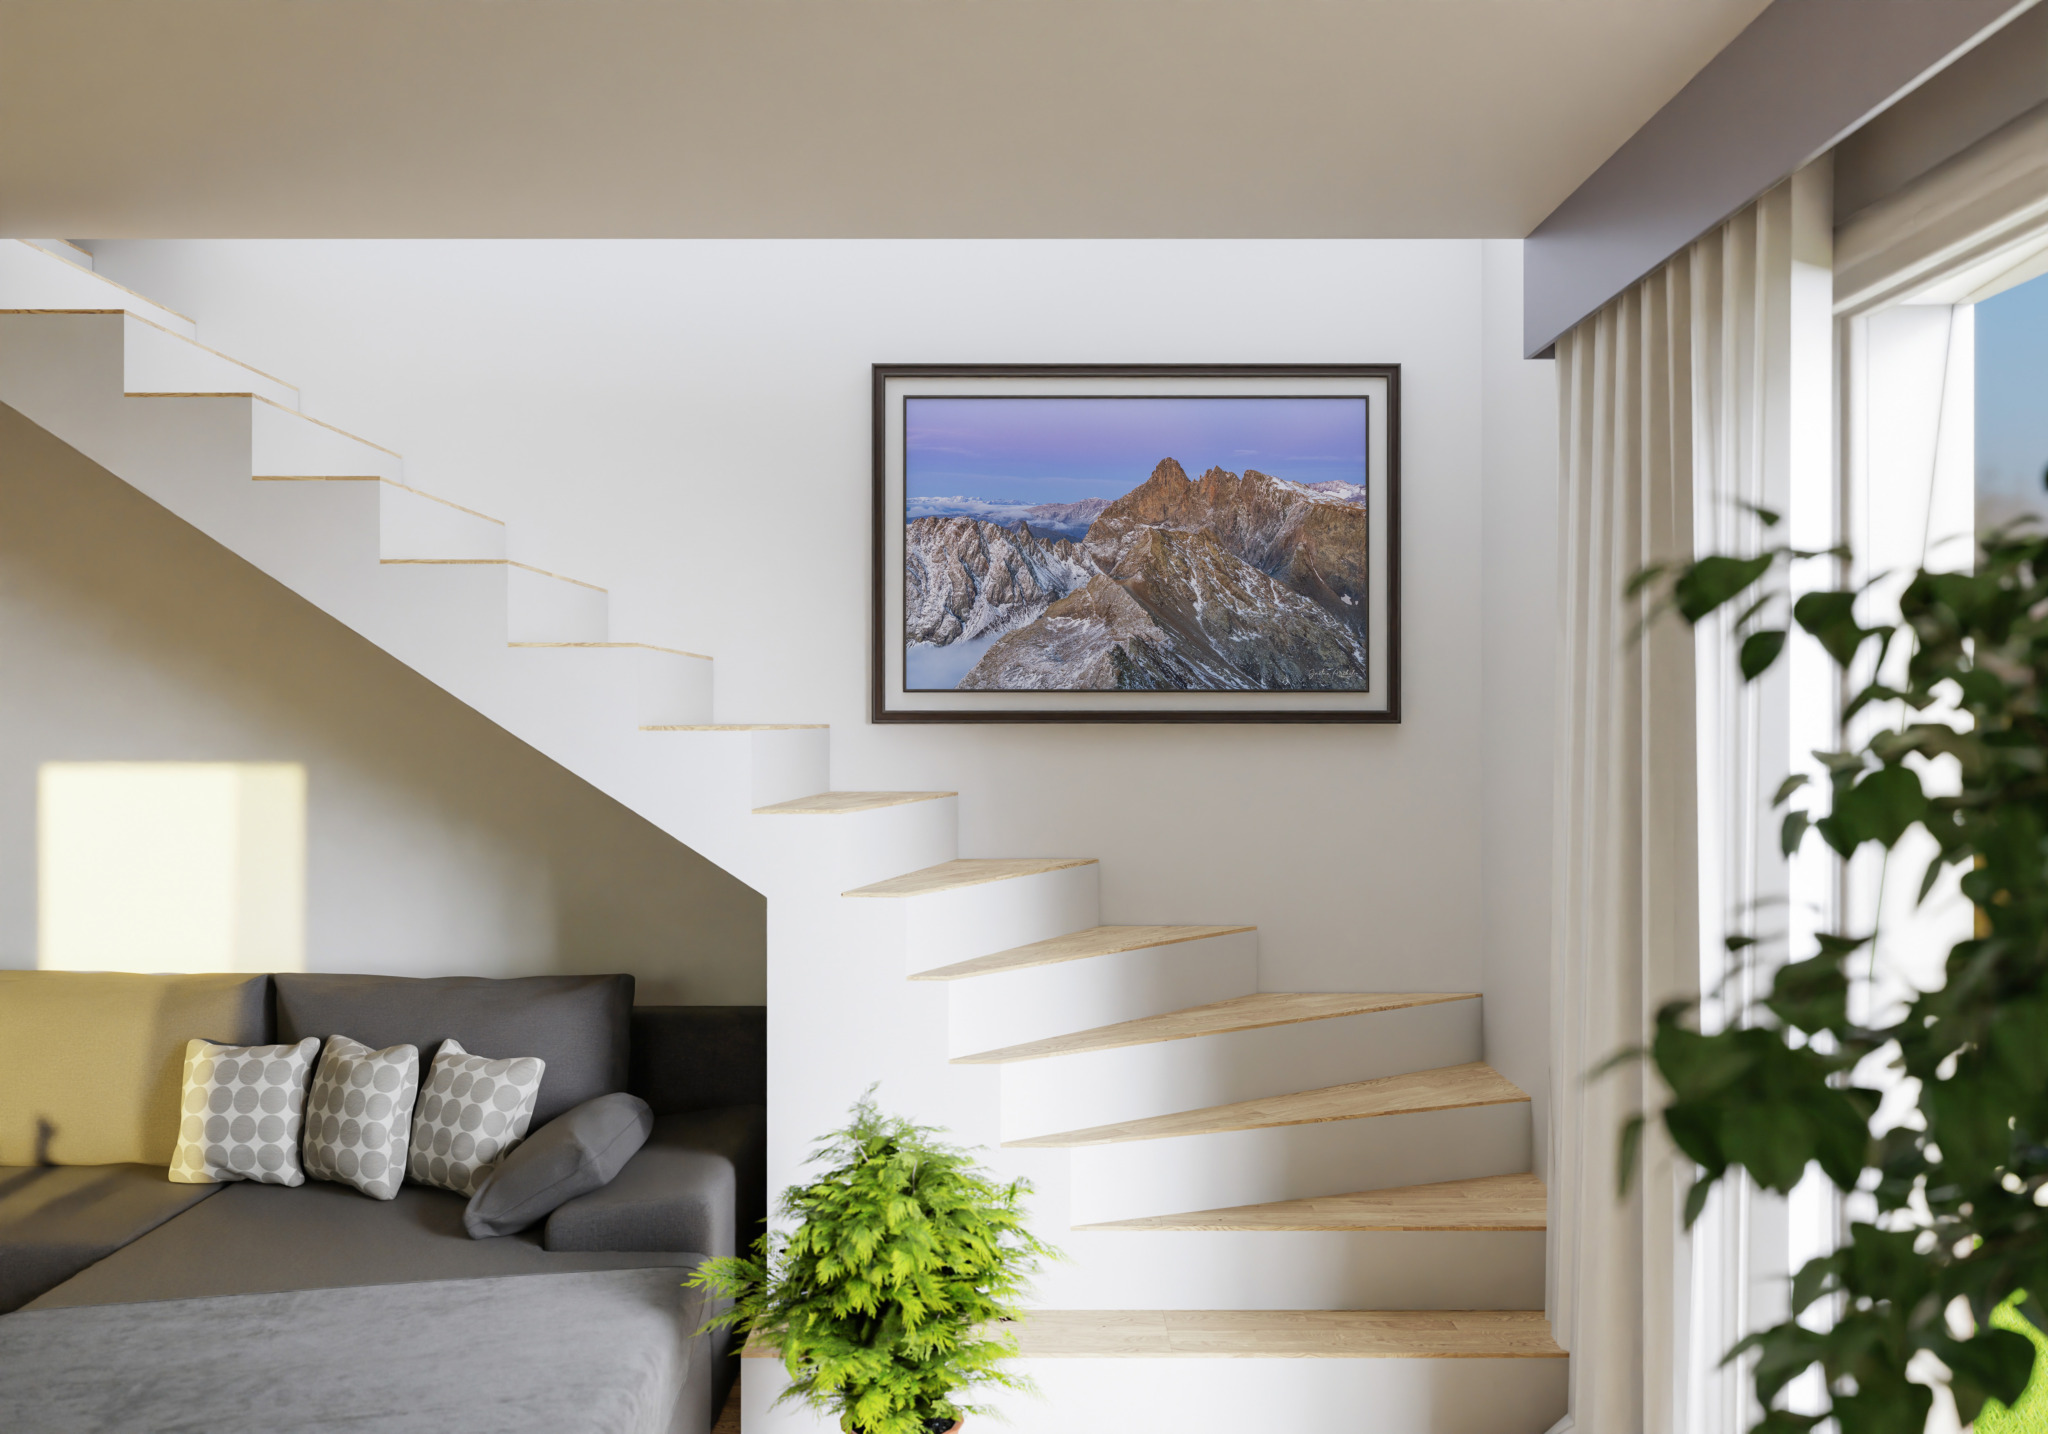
[1687, 393]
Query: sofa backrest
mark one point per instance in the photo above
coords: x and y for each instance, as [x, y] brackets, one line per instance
[579, 1025]
[699, 1057]
[91, 1062]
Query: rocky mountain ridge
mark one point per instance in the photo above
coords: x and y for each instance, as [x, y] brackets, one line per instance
[965, 578]
[1224, 583]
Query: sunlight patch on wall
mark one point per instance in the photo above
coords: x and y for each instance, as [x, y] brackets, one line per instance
[171, 866]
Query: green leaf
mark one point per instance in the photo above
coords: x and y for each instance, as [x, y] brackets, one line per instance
[1630, 1154]
[1760, 650]
[1831, 618]
[1703, 586]
[1877, 809]
[1992, 1364]
[1644, 576]
[1787, 787]
[1696, 1200]
[1792, 831]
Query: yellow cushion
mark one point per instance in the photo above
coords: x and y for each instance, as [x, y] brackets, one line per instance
[90, 1061]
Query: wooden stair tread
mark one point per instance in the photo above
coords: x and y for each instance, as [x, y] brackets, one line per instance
[1445, 1088]
[490, 563]
[739, 727]
[972, 871]
[643, 646]
[840, 803]
[1240, 1013]
[1492, 1202]
[1076, 946]
[1277, 1334]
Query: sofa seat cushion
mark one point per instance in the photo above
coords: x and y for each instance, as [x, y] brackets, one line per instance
[255, 1239]
[579, 1353]
[682, 1191]
[580, 1025]
[57, 1219]
[90, 1061]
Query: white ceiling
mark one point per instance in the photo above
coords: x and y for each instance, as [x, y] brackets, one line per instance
[920, 118]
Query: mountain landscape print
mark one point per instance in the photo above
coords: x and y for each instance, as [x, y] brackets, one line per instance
[1139, 544]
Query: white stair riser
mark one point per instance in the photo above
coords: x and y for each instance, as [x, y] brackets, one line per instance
[1294, 1269]
[788, 763]
[1196, 1395]
[1128, 1179]
[849, 849]
[640, 687]
[957, 925]
[283, 444]
[1041, 1097]
[158, 361]
[31, 278]
[1035, 1002]
[414, 525]
[545, 608]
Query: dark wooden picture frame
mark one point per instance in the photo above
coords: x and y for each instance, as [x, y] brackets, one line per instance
[889, 516]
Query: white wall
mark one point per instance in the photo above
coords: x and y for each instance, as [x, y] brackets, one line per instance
[1519, 509]
[436, 844]
[687, 423]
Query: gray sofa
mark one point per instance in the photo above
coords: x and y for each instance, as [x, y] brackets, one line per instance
[128, 1302]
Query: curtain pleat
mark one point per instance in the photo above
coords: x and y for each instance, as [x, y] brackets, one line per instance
[1673, 403]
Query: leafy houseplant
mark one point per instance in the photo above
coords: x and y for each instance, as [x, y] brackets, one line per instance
[886, 1302]
[1960, 1230]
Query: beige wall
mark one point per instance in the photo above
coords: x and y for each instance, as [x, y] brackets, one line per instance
[437, 843]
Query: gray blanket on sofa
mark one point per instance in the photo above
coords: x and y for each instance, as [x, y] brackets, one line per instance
[595, 1352]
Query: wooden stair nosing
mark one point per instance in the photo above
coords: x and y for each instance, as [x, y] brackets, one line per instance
[737, 727]
[1239, 1013]
[969, 871]
[643, 646]
[111, 284]
[1276, 1334]
[431, 498]
[832, 804]
[489, 563]
[1076, 946]
[1458, 1087]
[1490, 1203]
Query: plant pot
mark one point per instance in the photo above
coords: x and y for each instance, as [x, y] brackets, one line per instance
[954, 1428]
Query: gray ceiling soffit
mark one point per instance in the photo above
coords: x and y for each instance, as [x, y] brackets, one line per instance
[1803, 74]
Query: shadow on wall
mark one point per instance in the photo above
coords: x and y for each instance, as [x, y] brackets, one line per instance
[437, 843]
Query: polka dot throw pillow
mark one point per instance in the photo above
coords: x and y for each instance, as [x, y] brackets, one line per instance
[471, 1112]
[359, 1116]
[240, 1113]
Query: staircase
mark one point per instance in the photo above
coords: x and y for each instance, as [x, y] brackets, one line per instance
[1282, 1210]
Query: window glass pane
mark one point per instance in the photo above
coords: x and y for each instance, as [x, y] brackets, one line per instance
[2012, 405]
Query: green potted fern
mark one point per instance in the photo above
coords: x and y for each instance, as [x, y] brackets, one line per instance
[888, 1299]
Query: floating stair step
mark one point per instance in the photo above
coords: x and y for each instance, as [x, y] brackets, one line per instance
[741, 727]
[1077, 946]
[1492, 1202]
[1277, 1334]
[953, 875]
[1445, 1088]
[1241, 1013]
[840, 803]
[1288, 1334]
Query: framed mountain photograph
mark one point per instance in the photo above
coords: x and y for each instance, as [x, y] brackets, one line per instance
[1113, 543]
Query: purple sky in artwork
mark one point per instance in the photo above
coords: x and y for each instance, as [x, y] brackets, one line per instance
[1060, 450]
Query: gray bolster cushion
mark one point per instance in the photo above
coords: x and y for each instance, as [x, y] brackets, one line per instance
[678, 1194]
[577, 1152]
